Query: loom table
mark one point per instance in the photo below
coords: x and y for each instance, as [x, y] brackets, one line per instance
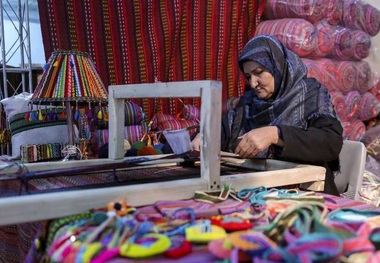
[21, 209]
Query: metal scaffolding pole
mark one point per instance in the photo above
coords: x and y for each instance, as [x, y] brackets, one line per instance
[17, 14]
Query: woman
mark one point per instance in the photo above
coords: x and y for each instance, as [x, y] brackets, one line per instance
[284, 115]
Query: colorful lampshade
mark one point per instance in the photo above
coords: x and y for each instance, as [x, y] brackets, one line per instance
[70, 77]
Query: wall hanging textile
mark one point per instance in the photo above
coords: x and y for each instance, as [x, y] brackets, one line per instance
[147, 41]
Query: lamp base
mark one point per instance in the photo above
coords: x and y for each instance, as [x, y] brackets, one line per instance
[70, 123]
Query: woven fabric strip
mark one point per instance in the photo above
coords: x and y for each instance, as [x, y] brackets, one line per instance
[19, 122]
[41, 152]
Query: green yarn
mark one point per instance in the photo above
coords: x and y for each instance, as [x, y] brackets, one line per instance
[138, 145]
[158, 151]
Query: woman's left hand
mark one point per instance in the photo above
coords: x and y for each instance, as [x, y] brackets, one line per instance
[256, 141]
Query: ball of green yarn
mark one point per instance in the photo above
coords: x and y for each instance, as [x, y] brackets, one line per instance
[138, 145]
[158, 151]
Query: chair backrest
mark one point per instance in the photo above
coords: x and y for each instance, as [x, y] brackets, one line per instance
[352, 164]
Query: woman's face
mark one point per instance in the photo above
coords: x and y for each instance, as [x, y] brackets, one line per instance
[260, 80]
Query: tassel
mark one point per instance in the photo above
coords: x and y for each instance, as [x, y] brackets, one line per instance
[76, 114]
[33, 116]
[100, 114]
[51, 116]
[89, 112]
[40, 116]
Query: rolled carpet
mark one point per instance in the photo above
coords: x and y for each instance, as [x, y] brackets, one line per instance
[352, 102]
[334, 14]
[372, 15]
[358, 15]
[322, 70]
[343, 43]
[310, 10]
[357, 130]
[369, 107]
[339, 101]
[347, 76]
[364, 76]
[361, 44]
[296, 34]
[324, 40]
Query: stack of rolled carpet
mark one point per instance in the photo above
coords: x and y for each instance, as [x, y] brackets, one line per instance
[333, 38]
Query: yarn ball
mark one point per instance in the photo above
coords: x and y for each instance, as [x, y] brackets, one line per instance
[138, 145]
[146, 150]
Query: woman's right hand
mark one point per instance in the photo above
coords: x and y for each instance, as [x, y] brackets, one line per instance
[196, 142]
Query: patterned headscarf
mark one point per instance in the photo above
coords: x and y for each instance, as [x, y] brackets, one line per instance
[296, 98]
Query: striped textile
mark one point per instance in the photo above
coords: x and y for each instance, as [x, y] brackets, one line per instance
[41, 152]
[21, 122]
[134, 41]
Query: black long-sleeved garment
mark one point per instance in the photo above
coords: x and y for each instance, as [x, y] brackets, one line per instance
[319, 144]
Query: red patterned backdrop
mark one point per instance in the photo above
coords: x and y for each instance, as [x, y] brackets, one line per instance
[142, 41]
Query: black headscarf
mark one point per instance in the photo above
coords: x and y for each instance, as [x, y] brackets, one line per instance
[296, 99]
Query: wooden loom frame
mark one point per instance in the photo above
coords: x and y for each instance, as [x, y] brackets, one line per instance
[28, 208]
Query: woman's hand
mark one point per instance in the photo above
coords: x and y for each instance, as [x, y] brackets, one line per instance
[196, 142]
[256, 141]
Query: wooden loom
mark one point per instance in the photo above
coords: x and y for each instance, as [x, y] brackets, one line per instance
[28, 208]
